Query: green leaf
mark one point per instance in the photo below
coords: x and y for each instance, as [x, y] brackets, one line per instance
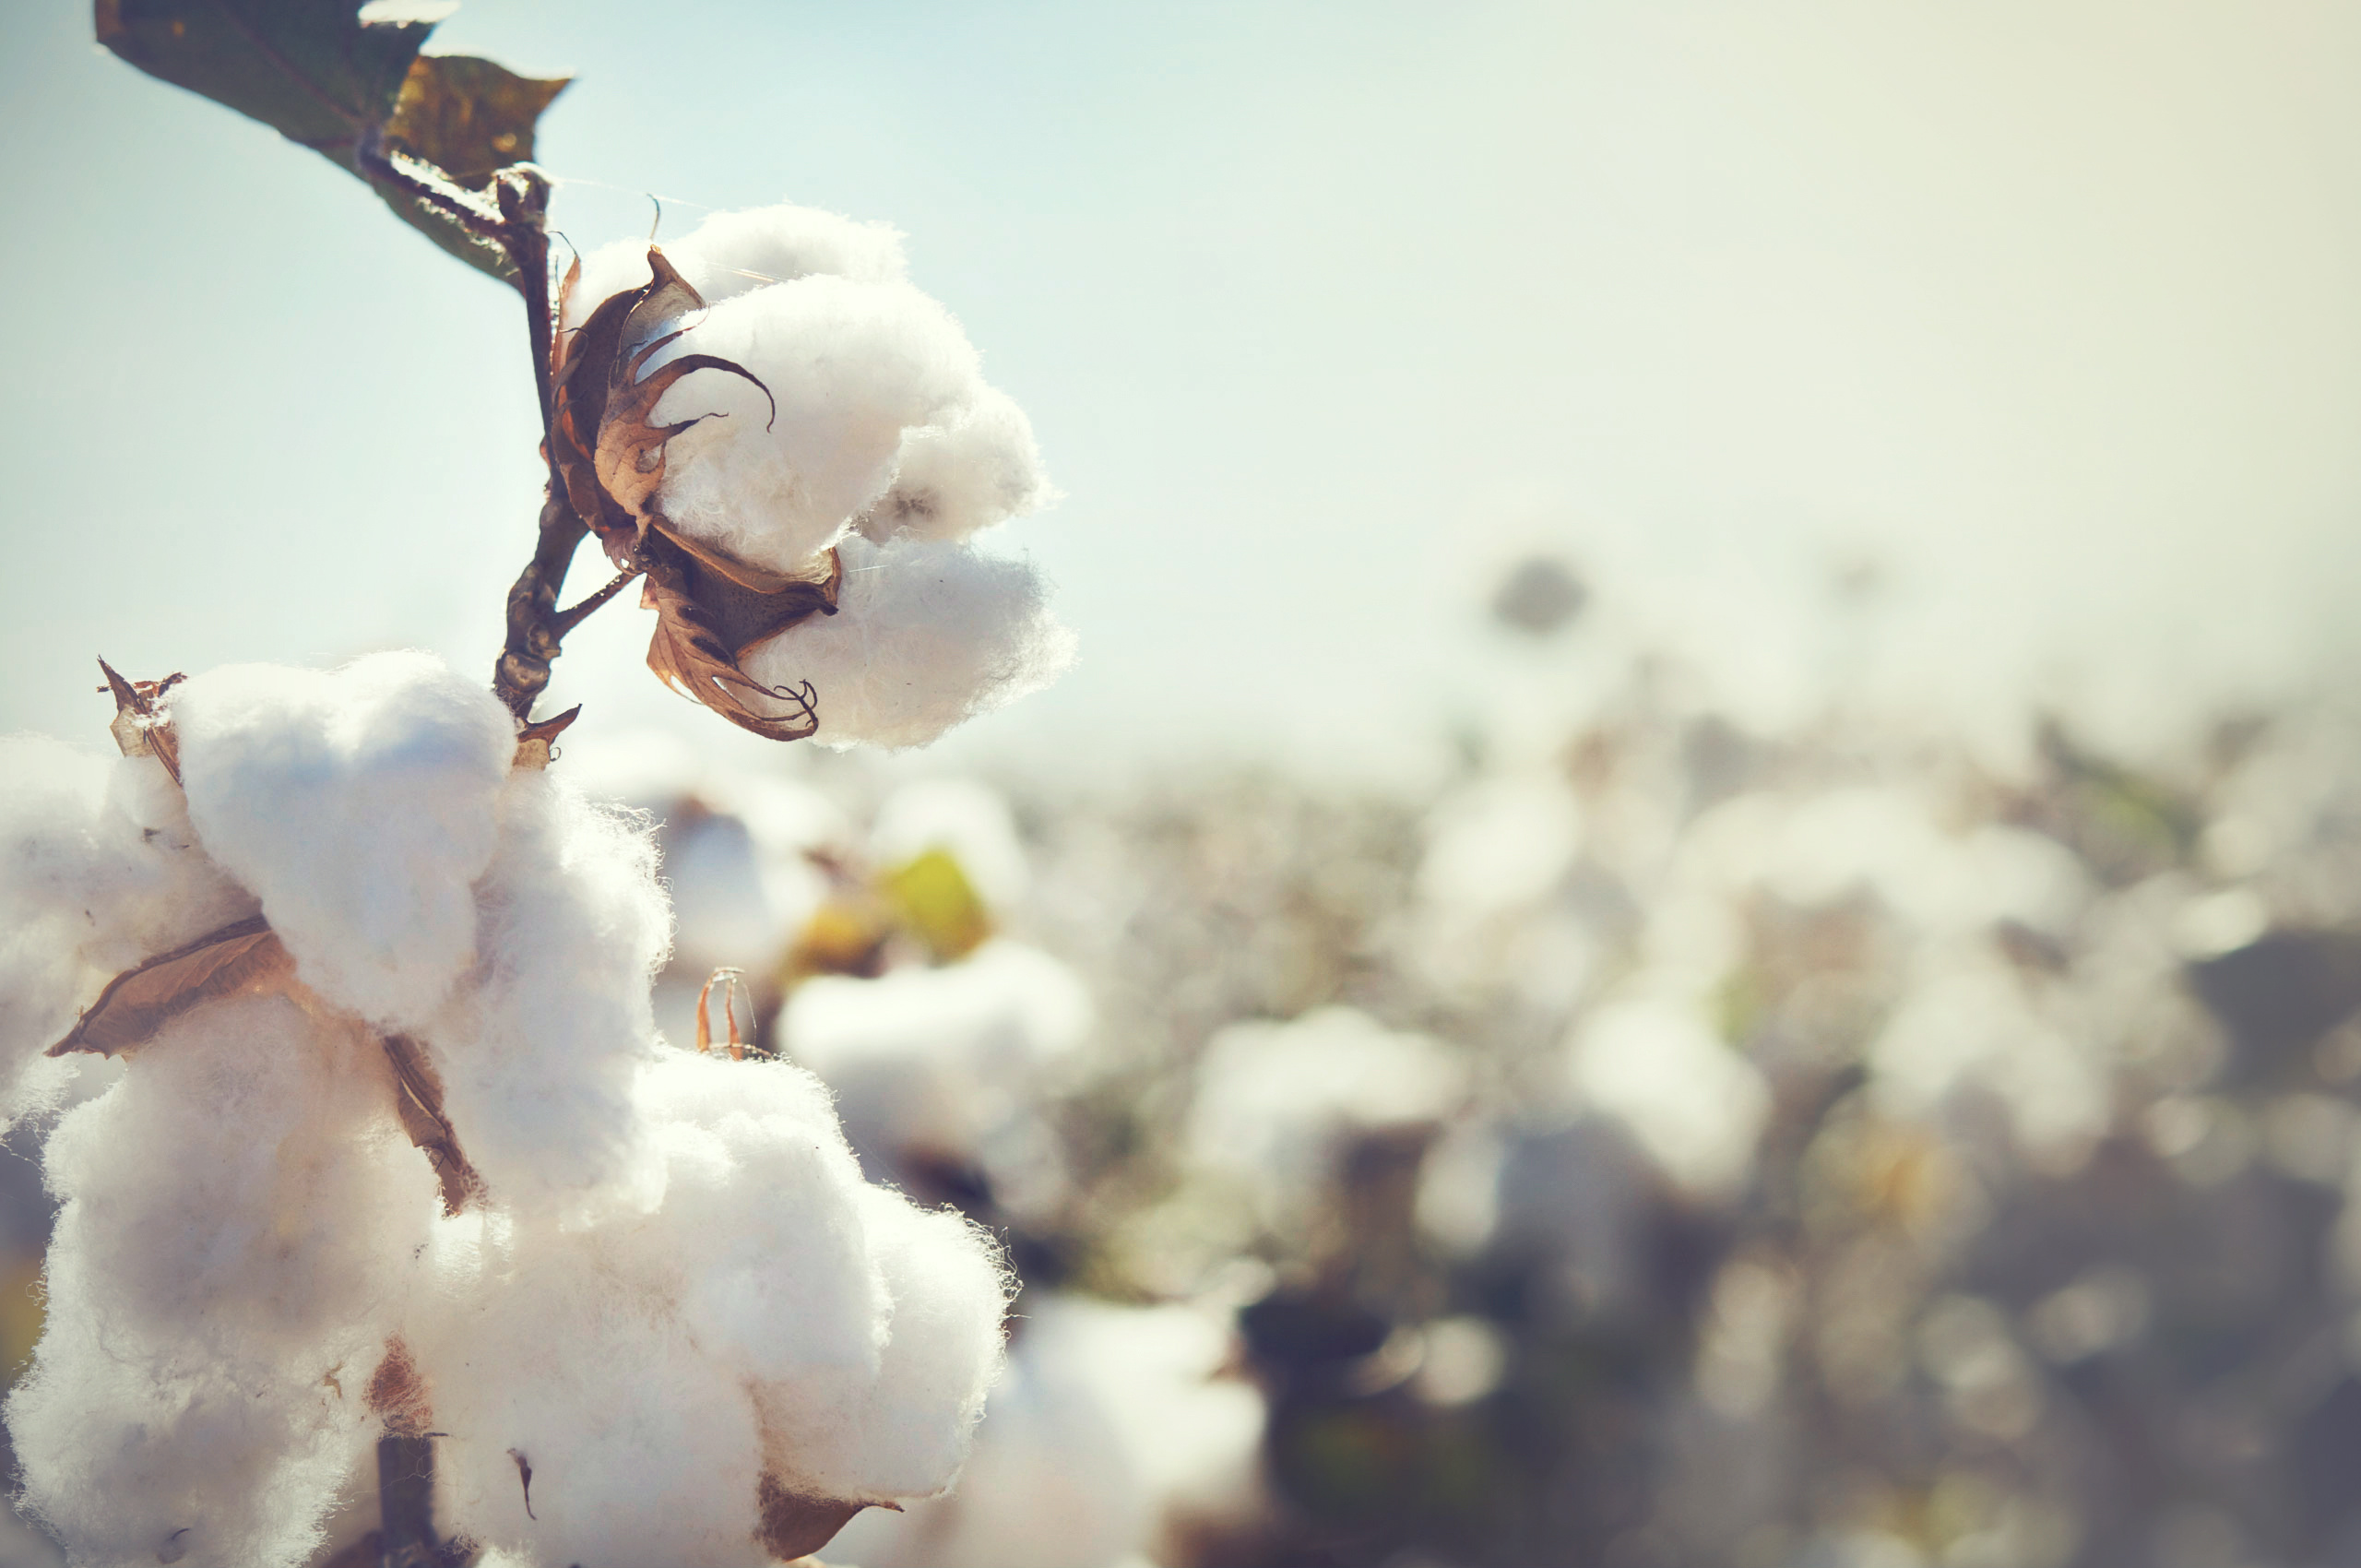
[311, 70]
[323, 74]
[470, 118]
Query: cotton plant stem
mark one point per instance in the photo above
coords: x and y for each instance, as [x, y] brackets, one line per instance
[406, 1497]
[536, 628]
[534, 632]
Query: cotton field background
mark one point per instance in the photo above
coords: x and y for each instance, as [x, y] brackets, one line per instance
[1696, 897]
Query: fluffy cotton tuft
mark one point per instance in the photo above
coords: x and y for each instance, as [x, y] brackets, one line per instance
[358, 806]
[537, 1050]
[241, 1214]
[852, 365]
[926, 635]
[733, 253]
[746, 1307]
[99, 869]
[976, 469]
[950, 1289]
[871, 413]
[1658, 1065]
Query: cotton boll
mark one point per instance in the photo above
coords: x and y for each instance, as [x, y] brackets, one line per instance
[358, 806]
[1694, 1104]
[949, 1291]
[128, 1468]
[50, 858]
[779, 244]
[247, 1187]
[760, 1222]
[775, 244]
[1499, 844]
[739, 1253]
[537, 1050]
[926, 635]
[971, 471]
[738, 861]
[240, 1219]
[539, 1344]
[746, 1306]
[850, 365]
[721, 908]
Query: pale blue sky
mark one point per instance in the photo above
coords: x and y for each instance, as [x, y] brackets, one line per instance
[1316, 308]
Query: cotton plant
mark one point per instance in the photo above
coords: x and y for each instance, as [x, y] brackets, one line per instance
[375, 1174]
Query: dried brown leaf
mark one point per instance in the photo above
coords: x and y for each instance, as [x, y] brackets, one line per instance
[796, 1524]
[525, 1478]
[536, 743]
[418, 1096]
[745, 574]
[703, 628]
[140, 728]
[629, 457]
[581, 361]
[239, 959]
[398, 1392]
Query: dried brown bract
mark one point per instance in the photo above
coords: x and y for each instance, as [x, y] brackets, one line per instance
[795, 1525]
[141, 728]
[241, 958]
[609, 456]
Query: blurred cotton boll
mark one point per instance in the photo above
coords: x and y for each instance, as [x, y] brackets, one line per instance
[1277, 1104]
[968, 820]
[952, 1063]
[1657, 1065]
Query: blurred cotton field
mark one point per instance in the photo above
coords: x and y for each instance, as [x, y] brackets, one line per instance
[1669, 1141]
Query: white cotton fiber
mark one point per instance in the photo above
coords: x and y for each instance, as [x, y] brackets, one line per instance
[732, 253]
[1108, 1421]
[744, 1305]
[974, 469]
[739, 862]
[99, 870]
[852, 365]
[906, 1437]
[759, 1220]
[926, 635]
[358, 805]
[541, 1344]
[538, 1047]
[240, 1216]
